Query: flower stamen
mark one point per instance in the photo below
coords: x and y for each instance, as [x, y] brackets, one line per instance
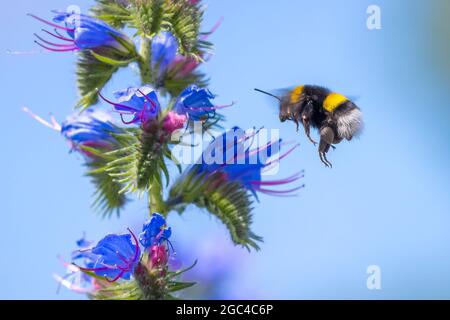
[56, 50]
[51, 23]
[57, 35]
[51, 43]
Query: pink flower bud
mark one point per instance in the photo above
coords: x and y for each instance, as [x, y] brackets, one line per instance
[174, 121]
[158, 256]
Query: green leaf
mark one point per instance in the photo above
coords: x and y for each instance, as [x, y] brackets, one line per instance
[177, 286]
[184, 19]
[230, 202]
[111, 61]
[112, 12]
[127, 290]
[96, 67]
[137, 161]
[107, 200]
[175, 274]
[92, 76]
[180, 17]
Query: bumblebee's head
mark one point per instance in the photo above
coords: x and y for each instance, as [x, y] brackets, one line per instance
[285, 110]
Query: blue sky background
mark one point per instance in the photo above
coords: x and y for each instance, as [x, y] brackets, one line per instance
[385, 201]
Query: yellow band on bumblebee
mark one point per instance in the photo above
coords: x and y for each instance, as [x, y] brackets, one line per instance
[296, 94]
[333, 100]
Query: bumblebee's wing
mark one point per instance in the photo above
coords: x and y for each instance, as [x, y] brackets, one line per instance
[354, 97]
[282, 92]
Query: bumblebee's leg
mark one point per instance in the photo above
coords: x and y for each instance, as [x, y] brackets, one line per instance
[326, 139]
[296, 122]
[307, 112]
[307, 127]
[325, 156]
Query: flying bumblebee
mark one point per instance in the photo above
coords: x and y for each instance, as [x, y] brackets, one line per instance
[335, 116]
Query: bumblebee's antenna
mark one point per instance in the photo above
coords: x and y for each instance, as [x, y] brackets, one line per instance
[269, 94]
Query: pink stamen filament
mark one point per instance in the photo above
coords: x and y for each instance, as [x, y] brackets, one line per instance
[283, 155]
[268, 191]
[136, 254]
[51, 23]
[214, 28]
[57, 50]
[254, 151]
[57, 35]
[258, 150]
[131, 110]
[116, 278]
[54, 125]
[53, 44]
[57, 32]
[70, 285]
[290, 179]
[148, 99]
[127, 122]
[97, 269]
[105, 268]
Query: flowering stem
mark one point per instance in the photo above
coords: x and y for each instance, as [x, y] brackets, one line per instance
[144, 60]
[155, 200]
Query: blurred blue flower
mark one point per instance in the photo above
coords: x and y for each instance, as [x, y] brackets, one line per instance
[115, 256]
[75, 279]
[83, 32]
[81, 252]
[218, 272]
[155, 231]
[92, 128]
[194, 102]
[87, 258]
[229, 157]
[164, 50]
[140, 103]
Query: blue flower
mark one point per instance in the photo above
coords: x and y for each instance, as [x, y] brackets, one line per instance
[115, 256]
[83, 32]
[141, 103]
[230, 157]
[155, 231]
[164, 50]
[194, 102]
[92, 128]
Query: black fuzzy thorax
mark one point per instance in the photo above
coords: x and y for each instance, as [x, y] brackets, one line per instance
[317, 95]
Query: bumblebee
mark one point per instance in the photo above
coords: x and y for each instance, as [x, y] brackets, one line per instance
[335, 116]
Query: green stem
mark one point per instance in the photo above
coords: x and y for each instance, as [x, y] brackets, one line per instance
[155, 199]
[144, 60]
